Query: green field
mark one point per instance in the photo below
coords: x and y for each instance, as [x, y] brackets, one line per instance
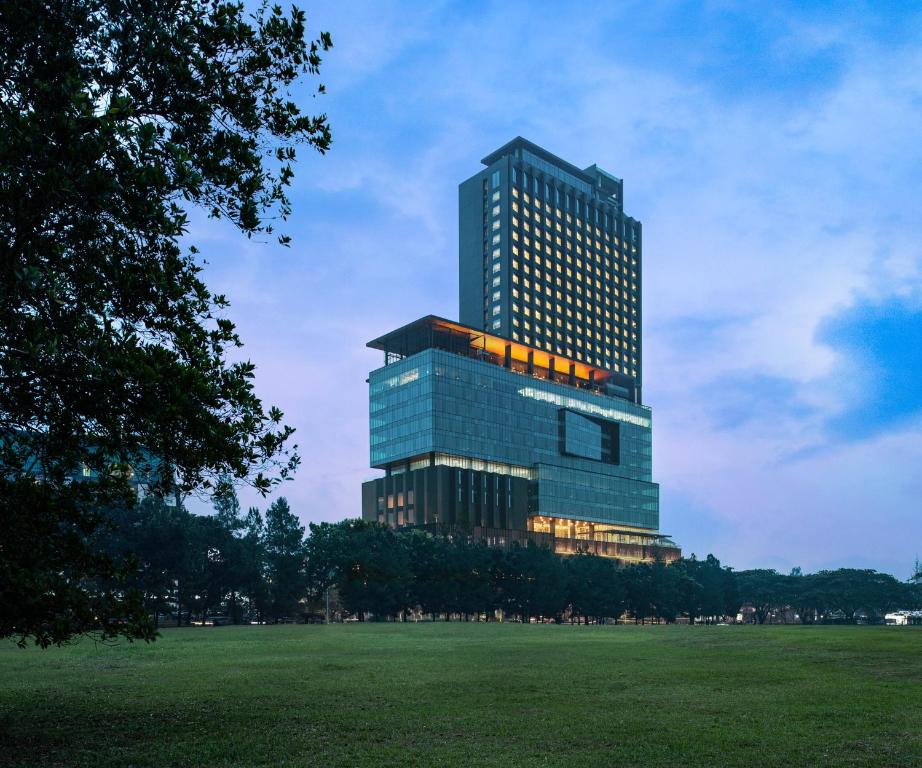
[470, 695]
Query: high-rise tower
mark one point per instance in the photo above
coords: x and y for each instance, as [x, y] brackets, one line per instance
[549, 259]
[524, 421]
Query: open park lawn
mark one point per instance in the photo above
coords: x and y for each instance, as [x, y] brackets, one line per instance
[470, 695]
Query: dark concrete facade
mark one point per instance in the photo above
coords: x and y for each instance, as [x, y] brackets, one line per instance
[440, 495]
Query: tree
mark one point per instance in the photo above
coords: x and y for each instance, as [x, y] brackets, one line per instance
[116, 121]
[227, 509]
[253, 557]
[853, 591]
[237, 569]
[718, 586]
[156, 535]
[206, 580]
[448, 575]
[594, 588]
[370, 566]
[326, 552]
[283, 545]
[638, 582]
[374, 571]
[666, 584]
[475, 592]
[806, 595]
[691, 592]
[764, 589]
[431, 561]
[535, 583]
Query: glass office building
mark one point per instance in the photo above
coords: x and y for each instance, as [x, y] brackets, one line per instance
[548, 258]
[524, 421]
[480, 433]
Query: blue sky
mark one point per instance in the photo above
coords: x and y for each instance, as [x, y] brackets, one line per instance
[773, 154]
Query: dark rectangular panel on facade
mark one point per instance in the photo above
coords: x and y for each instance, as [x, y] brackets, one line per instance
[588, 437]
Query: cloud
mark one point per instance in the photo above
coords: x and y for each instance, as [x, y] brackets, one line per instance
[880, 357]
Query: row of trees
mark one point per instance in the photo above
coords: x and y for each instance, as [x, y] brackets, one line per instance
[390, 573]
[248, 568]
[244, 566]
[845, 595]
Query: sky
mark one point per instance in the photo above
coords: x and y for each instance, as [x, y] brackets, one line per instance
[773, 153]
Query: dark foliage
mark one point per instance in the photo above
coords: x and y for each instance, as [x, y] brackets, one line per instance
[844, 595]
[231, 568]
[116, 120]
[386, 573]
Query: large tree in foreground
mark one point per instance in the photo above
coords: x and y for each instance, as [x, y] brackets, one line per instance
[116, 118]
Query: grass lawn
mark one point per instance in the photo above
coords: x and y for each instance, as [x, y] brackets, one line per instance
[470, 695]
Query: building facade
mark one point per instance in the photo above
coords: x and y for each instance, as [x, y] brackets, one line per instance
[548, 258]
[479, 433]
[524, 421]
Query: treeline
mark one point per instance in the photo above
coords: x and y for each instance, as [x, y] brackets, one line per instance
[246, 567]
[844, 595]
[394, 573]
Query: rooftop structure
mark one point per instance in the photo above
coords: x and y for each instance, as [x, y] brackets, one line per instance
[433, 332]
